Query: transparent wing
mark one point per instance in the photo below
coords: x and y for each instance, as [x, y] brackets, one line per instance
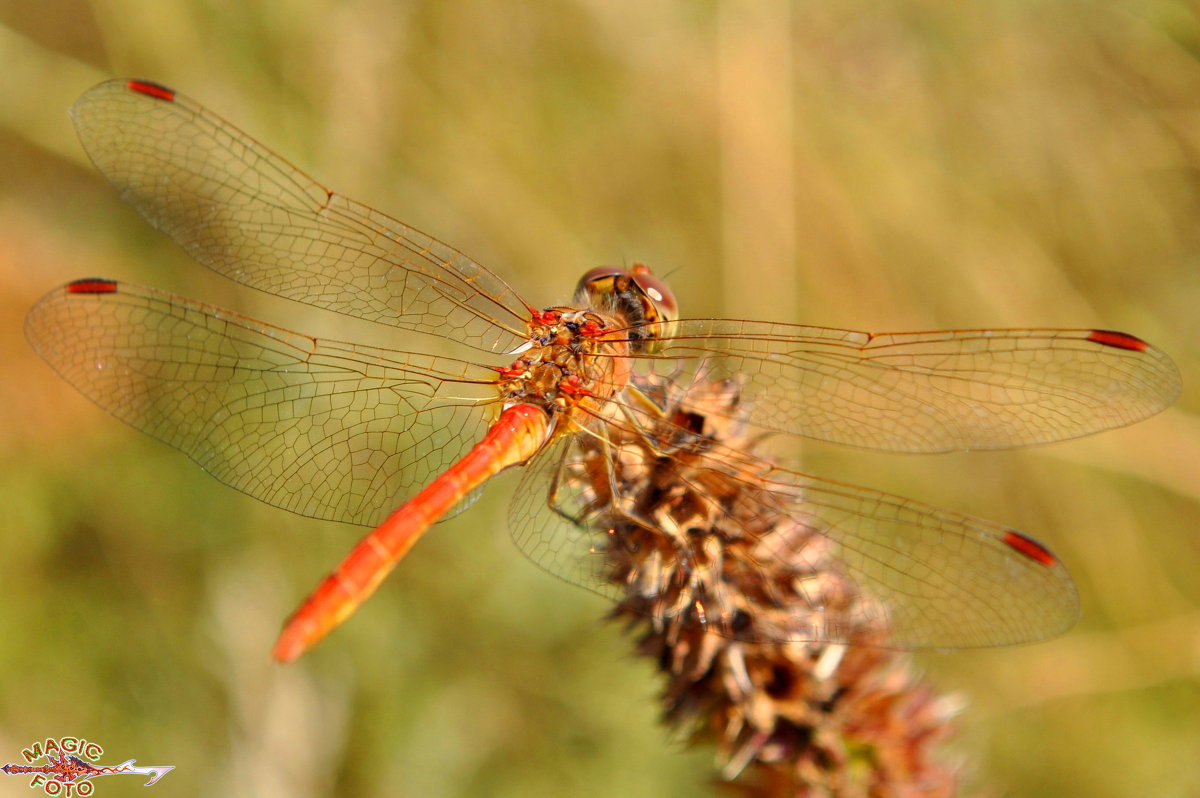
[918, 576]
[925, 391]
[326, 429]
[549, 522]
[243, 211]
[934, 577]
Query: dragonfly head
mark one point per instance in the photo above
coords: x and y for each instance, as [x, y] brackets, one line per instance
[632, 296]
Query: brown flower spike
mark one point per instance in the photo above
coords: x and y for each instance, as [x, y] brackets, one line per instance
[692, 544]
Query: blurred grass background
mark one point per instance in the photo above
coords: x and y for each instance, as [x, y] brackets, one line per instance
[874, 165]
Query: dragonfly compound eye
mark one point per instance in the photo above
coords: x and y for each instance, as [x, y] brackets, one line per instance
[633, 297]
[665, 307]
[603, 287]
[598, 282]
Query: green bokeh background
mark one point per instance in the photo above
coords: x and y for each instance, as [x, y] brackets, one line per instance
[875, 165]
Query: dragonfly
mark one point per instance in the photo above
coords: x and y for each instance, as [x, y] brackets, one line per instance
[397, 439]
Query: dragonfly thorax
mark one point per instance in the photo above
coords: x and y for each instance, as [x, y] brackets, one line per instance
[573, 358]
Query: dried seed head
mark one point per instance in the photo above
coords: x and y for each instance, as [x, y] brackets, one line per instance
[769, 649]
